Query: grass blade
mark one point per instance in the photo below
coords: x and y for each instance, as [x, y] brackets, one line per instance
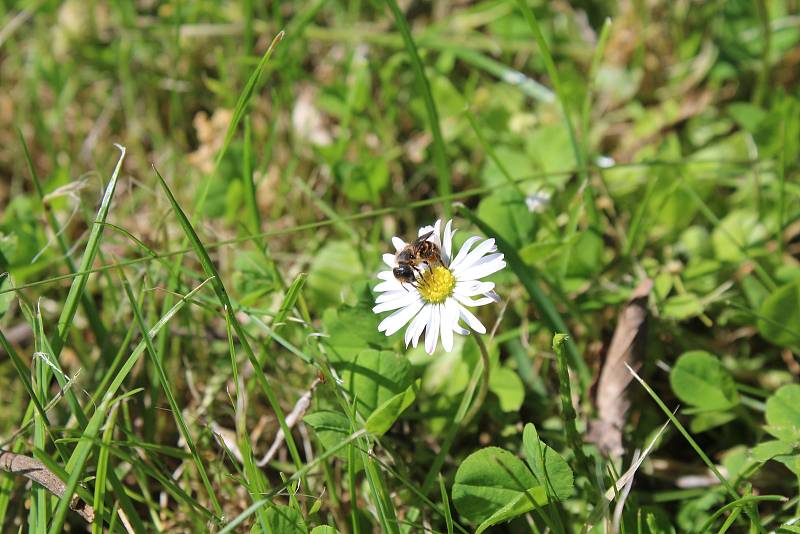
[92, 246]
[439, 150]
[80, 455]
[550, 315]
[87, 303]
[238, 113]
[173, 404]
[222, 295]
[102, 471]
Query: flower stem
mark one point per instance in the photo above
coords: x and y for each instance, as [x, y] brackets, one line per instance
[484, 387]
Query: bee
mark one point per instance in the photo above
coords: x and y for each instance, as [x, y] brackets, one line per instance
[414, 254]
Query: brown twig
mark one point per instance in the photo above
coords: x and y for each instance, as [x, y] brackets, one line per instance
[228, 437]
[33, 469]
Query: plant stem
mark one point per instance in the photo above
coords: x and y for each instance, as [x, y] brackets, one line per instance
[570, 428]
[484, 388]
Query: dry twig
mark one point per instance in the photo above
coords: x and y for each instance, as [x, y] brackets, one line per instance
[33, 469]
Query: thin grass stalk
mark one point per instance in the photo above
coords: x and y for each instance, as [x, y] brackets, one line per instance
[222, 295]
[173, 404]
[439, 150]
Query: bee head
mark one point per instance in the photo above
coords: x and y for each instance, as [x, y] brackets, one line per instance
[404, 273]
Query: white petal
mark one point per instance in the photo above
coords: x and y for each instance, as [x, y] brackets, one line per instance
[398, 243]
[476, 254]
[449, 316]
[391, 295]
[386, 275]
[432, 332]
[471, 320]
[396, 303]
[388, 259]
[437, 234]
[466, 301]
[424, 230]
[463, 252]
[447, 242]
[417, 325]
[398, 319]
[389, 285]
[479, 271]
[471, 288]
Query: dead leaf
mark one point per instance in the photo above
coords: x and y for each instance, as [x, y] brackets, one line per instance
[626, 348]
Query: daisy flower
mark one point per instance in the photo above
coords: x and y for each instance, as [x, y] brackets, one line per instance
[439, 301]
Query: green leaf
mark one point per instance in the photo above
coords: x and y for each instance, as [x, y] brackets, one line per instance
[363, 182]
[350, 330]
[285, 520]
[491, 478]
[507, 385]
[550, 147]
[324, 529]
[682, 306]
[332, 272]
[783, 413]
[373, 377]
[331, 428]
[779, 320]
[698, 378]
[549, 467]
[519, 505]
[535, 253]
[509, 215]
[770, 449]
[747, 115]
[387, 413]
[586, 256]
[736, 235]
[708, 420]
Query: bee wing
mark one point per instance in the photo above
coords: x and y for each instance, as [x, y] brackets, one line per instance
[423, 238]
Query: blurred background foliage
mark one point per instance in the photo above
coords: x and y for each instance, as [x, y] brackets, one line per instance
[682, 170]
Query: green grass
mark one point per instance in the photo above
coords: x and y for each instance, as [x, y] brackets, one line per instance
[168, 307]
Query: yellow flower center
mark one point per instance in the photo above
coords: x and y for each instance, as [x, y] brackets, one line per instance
[436, 284]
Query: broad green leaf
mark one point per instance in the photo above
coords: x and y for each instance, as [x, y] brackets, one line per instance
[550, 147]
[522, 503]
[334, 268]
[708, 420]
[387, 413]
[780, 316]
[682, 306]
[509, 215]
[488, 480]
[350, 330]
[285, 520]
[536, 253]
[736, 236]
[783, 413]
[515, 161]
[507, 385]
[331, 428]
[549, 467]
[324, 529]
[747, 115]
[770, 449]
[373, 377]
[699, 379]
[586, 257]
